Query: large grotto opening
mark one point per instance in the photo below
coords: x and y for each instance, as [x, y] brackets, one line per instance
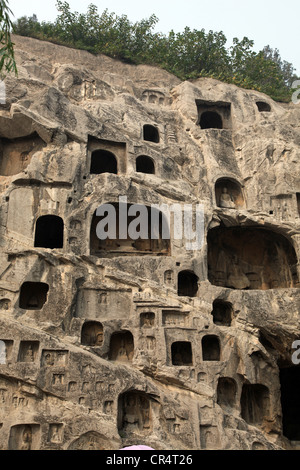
[214, 115]
[290, 386]
[151, 237]
[249, 258]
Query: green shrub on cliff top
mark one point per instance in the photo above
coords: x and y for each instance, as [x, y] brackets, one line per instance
[188, 55]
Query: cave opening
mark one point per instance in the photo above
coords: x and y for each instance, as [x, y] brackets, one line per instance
[103, 161]
[187, 284]
[263, 107]
[49, 232]
[121, 347]
[92, 333]
[290, 403]
[255, 403]
[150, 133]
[222, 313]
[33, 295]
[147, 232]
[229, 194]
[211, 348]
[226, 392]
[248, 258]
[134, 413]
[145, 165]
[211, 120]
[182, 353]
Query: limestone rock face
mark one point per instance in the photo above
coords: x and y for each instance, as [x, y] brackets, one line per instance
[108, 343]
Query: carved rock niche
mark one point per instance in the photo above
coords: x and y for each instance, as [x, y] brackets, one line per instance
[247, 258]
[134, 414]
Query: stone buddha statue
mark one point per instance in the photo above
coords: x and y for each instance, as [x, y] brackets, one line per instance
[226, 200]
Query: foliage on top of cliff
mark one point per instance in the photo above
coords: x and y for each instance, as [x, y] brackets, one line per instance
[7, 57]
[188, 55]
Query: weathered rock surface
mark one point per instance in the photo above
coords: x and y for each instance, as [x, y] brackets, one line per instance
[110, 345]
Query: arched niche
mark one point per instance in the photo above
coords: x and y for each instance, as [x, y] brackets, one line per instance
[145, 164]
[211, 350]
[229, 194]
[150, 133]
[214, 115]
[263, 107]
[33, 295]
[103, 161]
[146, 232]
[134, 414]
[181, 352]
[92, 333]
[251, 258]
[49, 232]
[121, 347]
[187, 284]
[92, 440]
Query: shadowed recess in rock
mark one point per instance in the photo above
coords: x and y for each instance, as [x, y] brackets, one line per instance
[116, 244]
[251, 258]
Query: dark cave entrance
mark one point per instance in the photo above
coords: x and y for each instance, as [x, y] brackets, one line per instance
[187, 284]
[255, 403]
[182, 353]
[211, 120]
[150, 133]
[103, 161]
[145, 165]
[250, 258]
[33, 295]
[290, 403]
[49, 232]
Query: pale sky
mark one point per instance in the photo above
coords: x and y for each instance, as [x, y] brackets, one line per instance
[267, 22]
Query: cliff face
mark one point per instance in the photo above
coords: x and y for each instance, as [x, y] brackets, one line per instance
[106, 343]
